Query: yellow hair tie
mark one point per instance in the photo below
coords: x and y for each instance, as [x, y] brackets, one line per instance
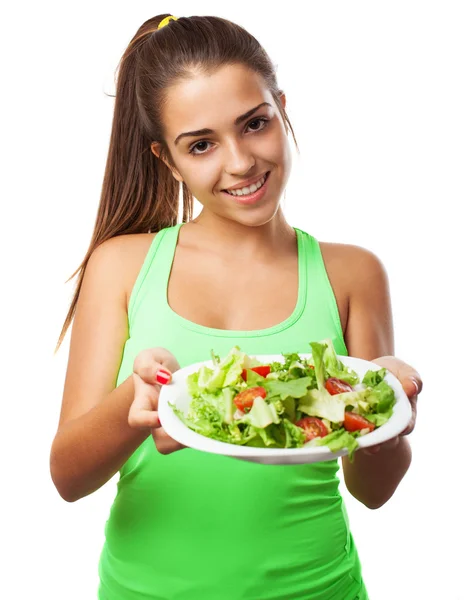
[165, 21]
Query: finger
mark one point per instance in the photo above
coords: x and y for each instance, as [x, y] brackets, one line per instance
[146, 419]
[143, 412]
[388, 445]
[153, 372]
[164, 443]
[410, 379]
[372, 449]
[155, 365]
[410, 428]
[164, 357]
[412, 386]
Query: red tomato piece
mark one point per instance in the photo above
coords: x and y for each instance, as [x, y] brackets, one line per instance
[354, 422]
[313, 427]
[333, 385]
[244, 400]
[263, 370]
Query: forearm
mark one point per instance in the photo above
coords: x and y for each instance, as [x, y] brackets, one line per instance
[373, 478]
[89, 450]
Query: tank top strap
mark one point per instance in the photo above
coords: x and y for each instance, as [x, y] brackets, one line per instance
[155, 272]
[315, 315]
[321, 302]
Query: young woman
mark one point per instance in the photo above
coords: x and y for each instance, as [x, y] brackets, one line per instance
[198, 104]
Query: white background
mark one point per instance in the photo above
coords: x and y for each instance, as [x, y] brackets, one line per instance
[380, 96]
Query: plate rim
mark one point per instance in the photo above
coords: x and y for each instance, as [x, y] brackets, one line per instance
[191, 439]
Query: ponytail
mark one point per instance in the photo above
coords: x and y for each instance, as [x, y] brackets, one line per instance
[139, 193]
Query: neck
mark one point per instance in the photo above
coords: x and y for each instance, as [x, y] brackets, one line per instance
[233, 238]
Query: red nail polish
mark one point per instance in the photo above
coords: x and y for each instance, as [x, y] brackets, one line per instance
[162, 377]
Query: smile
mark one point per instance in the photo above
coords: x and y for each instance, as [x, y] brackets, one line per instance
[251, 194]
[245, 191]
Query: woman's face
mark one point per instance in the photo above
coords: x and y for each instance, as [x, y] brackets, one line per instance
[232, 153]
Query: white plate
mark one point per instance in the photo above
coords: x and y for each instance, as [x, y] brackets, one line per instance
[176, 393]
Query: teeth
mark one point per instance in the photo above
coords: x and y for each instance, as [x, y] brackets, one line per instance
[248, 190]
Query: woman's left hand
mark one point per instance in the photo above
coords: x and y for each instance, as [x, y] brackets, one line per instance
[412, 385]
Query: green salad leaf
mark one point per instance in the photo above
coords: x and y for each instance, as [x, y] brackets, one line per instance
[288, 406]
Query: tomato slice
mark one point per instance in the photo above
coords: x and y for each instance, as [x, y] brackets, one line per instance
[263, 370]
[354, 422]
[244, 400]
[333, 385]
[313, 427]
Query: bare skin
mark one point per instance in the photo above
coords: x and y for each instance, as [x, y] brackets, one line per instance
[360, 286]
[100, 424]
[211, 274]
[115, 421]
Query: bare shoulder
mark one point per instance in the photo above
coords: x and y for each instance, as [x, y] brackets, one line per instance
[127, 252]
[350, 265]
[100, 326]
[360, 283]
[350, 268]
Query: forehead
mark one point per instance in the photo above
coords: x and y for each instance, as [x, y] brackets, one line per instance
[213, 101]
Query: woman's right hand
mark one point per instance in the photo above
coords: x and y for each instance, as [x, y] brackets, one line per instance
[152, 369]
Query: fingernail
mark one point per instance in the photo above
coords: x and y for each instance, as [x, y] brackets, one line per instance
[162, 377]
[159, 422]
[414, 381]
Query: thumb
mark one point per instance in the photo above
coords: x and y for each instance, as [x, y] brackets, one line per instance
[143, 411]
[153, 360]
[151, 370]
[154, 373]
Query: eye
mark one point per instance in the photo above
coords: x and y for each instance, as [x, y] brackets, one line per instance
[197, 145]
[256, 121]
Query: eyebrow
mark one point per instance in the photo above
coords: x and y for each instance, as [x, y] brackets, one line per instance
[238, 120]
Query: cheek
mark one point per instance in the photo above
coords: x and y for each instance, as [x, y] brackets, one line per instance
[273, 149]
[276, 149]
[201, 176]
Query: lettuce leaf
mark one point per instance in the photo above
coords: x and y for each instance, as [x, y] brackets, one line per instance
[294, 388]
[334, 366]
[339, 439]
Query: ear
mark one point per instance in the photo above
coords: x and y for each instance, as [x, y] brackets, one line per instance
[283, 100]
[156, 149]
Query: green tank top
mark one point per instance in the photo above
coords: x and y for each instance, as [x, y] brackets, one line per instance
[199, 526]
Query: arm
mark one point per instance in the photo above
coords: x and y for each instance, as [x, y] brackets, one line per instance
[93, 438]
[88, 450]
[372, 478]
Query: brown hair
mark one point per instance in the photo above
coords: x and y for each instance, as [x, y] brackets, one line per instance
[139, 192]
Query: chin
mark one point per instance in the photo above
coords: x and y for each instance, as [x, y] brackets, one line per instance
[257, 217]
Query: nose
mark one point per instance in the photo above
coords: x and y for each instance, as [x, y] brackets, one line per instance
[238, 159]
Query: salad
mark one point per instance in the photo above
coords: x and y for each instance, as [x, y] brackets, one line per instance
[299, 402]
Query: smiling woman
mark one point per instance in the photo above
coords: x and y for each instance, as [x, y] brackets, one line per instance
[198, 107]
[239, 150]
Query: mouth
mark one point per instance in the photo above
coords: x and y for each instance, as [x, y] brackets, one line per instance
[253, 197]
